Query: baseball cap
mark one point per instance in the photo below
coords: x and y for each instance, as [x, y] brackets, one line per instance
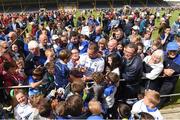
[172, 46]
[135, 27]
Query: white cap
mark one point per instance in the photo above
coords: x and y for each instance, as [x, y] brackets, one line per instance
[135, 27]
[33, 44]
[54, 37]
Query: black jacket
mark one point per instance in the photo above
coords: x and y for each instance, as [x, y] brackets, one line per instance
[132, 71]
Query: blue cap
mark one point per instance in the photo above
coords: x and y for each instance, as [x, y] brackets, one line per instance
[172, 46]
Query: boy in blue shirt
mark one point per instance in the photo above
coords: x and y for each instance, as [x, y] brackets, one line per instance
[61, 69]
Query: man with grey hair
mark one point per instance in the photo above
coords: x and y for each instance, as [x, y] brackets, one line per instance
[34, 58]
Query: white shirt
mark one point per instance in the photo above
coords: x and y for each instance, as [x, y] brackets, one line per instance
[141, 107]
[23, 112]
[92, 65]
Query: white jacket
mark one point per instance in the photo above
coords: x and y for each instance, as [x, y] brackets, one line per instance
[156, 69]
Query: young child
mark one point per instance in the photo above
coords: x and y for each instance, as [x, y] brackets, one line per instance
[45, 110]
[98, 87]
[61, 69]
[123, 111]
[109, 93]
[96, 110]
[155, 45]
[74, 75]
[60, 110]
[23, 110]
[140, 50]
[148, 105]
[74, 107]
[48, 78]
[77, 88]
[20, 68]
[35, 81]
[143, 116]
[50, 55]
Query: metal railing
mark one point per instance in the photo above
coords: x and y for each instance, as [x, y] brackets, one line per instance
[29, 86]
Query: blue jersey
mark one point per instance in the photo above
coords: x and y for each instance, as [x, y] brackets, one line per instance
[61, 74]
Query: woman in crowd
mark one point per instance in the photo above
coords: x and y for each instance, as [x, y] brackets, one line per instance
[153, 66]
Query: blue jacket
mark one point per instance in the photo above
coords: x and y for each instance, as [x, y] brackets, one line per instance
[172, 63]
[61, 74]
[33, 91]
[142, 26]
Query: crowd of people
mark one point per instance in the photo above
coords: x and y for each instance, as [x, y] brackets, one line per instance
[91, 68]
